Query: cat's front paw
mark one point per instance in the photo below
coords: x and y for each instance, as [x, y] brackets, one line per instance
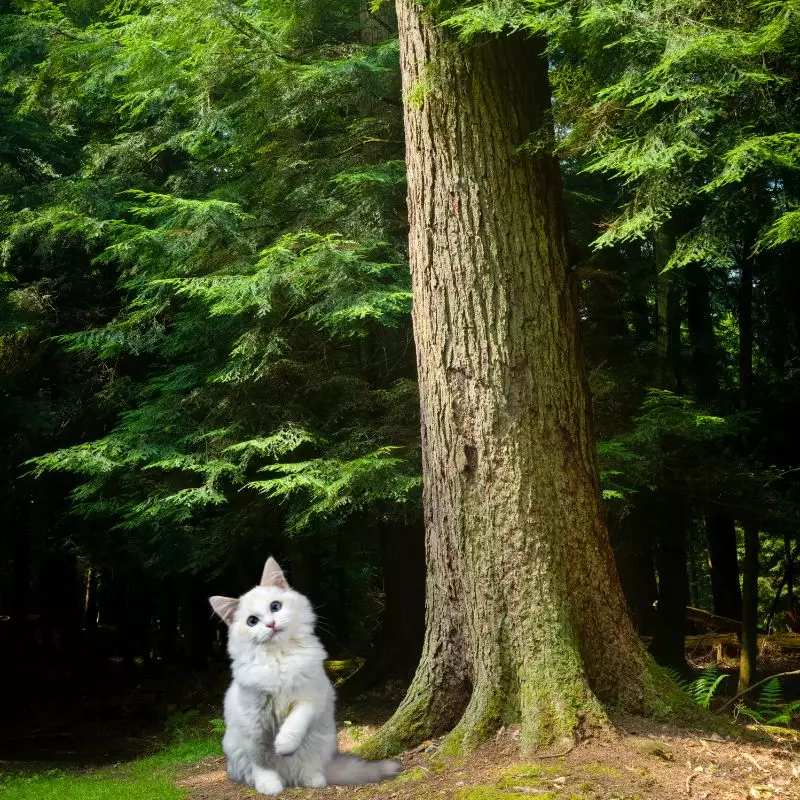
[267, 782]
[286, 744]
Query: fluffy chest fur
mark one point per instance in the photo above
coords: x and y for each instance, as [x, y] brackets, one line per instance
[270, 682]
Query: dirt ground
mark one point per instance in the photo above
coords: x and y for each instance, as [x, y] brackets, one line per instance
[638, 760]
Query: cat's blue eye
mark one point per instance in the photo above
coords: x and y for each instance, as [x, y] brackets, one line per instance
[252, 621]
[275, 606]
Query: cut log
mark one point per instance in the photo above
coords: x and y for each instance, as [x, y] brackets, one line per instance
[712, 622]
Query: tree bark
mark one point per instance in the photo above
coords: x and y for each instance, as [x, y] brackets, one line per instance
[525, 619]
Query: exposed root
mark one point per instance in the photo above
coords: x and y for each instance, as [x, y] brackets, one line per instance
[482, 717]
[420, 716]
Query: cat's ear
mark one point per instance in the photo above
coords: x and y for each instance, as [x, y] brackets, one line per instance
[225, 607]
[273, 575]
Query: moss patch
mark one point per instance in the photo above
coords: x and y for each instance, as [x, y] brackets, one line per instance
[657, 750]
[526, 775]
[493, 793]
[603, 769]
[523, 775]
[410, 775]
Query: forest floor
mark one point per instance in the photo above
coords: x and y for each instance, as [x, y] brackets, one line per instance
[637, 760]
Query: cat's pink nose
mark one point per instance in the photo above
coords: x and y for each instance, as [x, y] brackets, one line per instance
[271, 624]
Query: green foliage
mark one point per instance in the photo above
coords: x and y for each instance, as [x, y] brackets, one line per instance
[239, 180]
[672, 437]
[703, 688]
[770, 708]
[705, 685]
[691, 107]
[149, 778]
[331, 488]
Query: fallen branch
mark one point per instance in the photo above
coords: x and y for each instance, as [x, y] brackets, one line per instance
[755, 686]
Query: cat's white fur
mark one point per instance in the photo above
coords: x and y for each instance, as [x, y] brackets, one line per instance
[279, 723]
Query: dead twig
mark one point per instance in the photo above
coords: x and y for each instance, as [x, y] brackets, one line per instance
[755, 686]
[562, 753]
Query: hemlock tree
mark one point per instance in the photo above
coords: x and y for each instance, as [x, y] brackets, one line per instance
[525, 616]
[236, 186]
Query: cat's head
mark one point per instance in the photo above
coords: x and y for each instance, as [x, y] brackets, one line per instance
[271, 614]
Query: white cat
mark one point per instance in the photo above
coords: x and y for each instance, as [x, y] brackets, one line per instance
[279, 721]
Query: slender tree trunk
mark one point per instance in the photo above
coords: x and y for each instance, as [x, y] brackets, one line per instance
[667, 646]
[633, 554]
[786, 580]
[701, 333]
[749, 651]
[668, 307]
[787, 549]
[694, 576]
[167, 608]
[90, 601]
[641, 318]
[195, 624]
[397, 646]
[403, 555]
[525, 619]
[724, 565]
[670, 521]
[378, 24]
[746, 335]
[20, 582]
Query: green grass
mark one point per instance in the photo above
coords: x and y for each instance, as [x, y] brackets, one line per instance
[149, 778]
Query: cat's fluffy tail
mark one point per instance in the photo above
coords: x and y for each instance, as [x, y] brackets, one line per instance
[344, 770]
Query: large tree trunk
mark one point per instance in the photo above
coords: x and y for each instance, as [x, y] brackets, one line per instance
[525, 619]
